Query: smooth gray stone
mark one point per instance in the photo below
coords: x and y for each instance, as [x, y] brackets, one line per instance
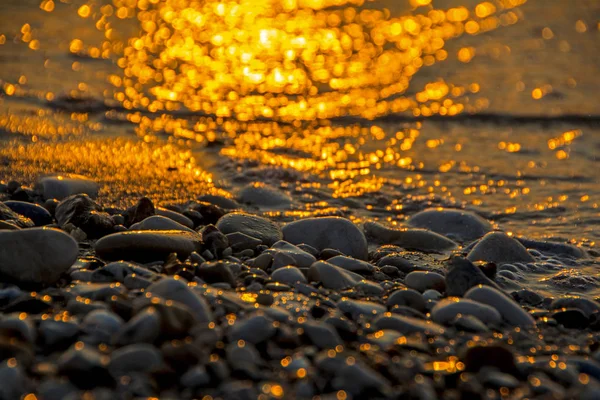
[459, 225]
[447, 309]
[252, 225]
[369, 288]
[407, 325]
[332, 276]
[300, 257]
[223, 202]
[462, 275]
[469, 323]
[261, 195]
[139, 357]
[240, 241]
[425, 280]
[288, 275]
[361, 309]
[414, 239]
[59, 186]
[147, 245]
[36, 255]
[586, 305]
[510, 311]
[324, 336]
[553, 247]
[352, 264]
[328, 232]
[499, 248]
[102, 320]
[175, 216]
[255, 329]
[159, 223]
[177, 290]
[407, 297]
[144, 327]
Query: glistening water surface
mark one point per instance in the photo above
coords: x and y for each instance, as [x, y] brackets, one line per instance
[371, 110]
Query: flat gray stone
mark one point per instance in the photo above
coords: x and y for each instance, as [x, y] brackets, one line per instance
[60, 186]
[159, 223]
[352, 264]
[458, 225]
[288, 275]
[299, 257]
[261, 195]
[510, 311]
[175, 216]
[36, 255]
[147, 245]
[446, 310]
[499, 248]
[413, 239]
[328, 232]
[252, 225]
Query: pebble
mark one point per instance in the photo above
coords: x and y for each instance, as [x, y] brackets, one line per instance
[6, 225]
[288, 275]
[511, 312]
[297, 256]
[159, 223]
[321, 335]
[60, 186]
[85, 366]
[224, 202]
[261, 195]
[254, 329]
[102, 324]
[571, 318]
[407, 325]
[463, 275]
[352, 264]
[143, 209]
[397, 260]
[38, 214]
[553, 248]
[460, 225]
[240, 241]
[407, 297]
[139, 357]
[82, 212]
[260, 228]
[37, 255]
[215, 272]
[328, 232]
[448, 309]
[411, 239]
[147, 245]
[332, 276]
[175, 216]
[424, 280]
[179, 291]
[8, 215]
[144, 327]
[469, 323]
[584, 304]
[358, 309]
[499, 248]
[432, 294]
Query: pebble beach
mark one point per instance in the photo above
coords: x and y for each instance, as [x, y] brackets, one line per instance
[299, 200]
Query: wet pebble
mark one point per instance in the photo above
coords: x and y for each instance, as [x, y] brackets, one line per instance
[448, 309]
[38, 214]
[258, 227]
[328, 232]
[425, 280]
[463, 275]
[407, 297]
[332, 276]
[177, 290]
[13, 218]
[510, 311]
[571, 318]
[407, 325]
[460, 225]
[144, 327]
[37, 255]
[82, 212]
[499, 248]
[352, 264]
[60, 186]
[288, 275]
[254, 329]
[140, 357]
[261, 195]
[159, 223]
[412, 239]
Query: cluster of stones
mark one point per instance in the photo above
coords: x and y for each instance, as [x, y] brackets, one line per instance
[204, 299]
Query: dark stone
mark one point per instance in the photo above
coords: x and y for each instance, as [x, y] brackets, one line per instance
[8, 215]
[462, 275]
[499, 357]
[83, 212]
[215, 271]
[214, 240]
[571, 318]
[38, 214]
[142, 210]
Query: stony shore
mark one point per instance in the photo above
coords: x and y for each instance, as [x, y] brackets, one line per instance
[205, 299]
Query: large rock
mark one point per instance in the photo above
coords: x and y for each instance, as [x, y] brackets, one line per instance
[332, 276]
[251, 225]
[328, 232]
[83, 212]
[37, 255]
[499, 248]
[145, 246]
[510, 311]
[462, 275]
[459, 225]
[412, 239]
[61, 186]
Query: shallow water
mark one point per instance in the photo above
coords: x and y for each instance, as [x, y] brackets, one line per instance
[346, 106]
